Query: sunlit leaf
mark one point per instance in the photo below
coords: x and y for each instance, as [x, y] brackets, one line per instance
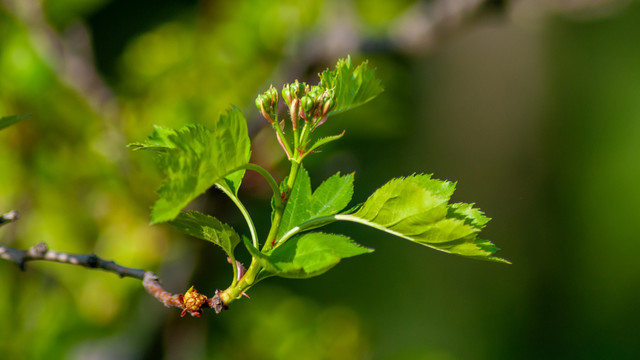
[195, 158]
[333, 195]
[352, 86]
[309, 255]
[417, 208]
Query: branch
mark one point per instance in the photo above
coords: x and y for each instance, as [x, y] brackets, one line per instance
[190, 302]
[8, 217]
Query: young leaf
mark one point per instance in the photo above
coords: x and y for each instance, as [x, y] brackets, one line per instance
[208, 228]
[309, 255]
[416, 208]
[195, 158]
[352, 86]
[324, 140]
[333, 195]
[158, 141]
[10, 120]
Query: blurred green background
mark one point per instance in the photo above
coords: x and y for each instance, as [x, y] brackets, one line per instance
[532, 106]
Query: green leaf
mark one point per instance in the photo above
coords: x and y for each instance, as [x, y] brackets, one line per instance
[208, 228]
[333, 195]
[417, 208]
[10, 120]
[195, 158]
[324, 140]
[309, 255]
[352, 86]
[158, 141]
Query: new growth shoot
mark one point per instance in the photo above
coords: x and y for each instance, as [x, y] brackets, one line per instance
[195, 158]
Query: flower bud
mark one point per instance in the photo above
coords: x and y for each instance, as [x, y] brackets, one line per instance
[307, 103]
[329, 102]
[295, 108]
[192, 301]
[316, 93]
[286, 94]
[267, 103]
[299, 89]
[262, 102]
[272, 95]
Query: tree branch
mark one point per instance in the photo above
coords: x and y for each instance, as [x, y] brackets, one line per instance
[150, 281]
[8, 217]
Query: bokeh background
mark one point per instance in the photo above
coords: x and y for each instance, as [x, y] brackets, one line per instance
[533, 106]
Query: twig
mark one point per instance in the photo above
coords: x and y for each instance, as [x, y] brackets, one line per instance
[8, 217]
[150, 281]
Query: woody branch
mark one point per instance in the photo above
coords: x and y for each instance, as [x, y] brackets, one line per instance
[150, 281]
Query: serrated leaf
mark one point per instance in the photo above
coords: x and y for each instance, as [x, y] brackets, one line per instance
[309, 255]
[195, 158]
[333, 195]
[208, 228]
[469, 214]
[158, 141]
[417, 208]
[325, 140]
[10, 120]
[352, 86]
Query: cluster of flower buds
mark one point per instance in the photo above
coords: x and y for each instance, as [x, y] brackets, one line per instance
[267, 103]
[310, 103]
[316, 104]
[292, 93]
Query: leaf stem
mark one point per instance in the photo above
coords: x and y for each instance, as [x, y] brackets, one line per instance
[232, 260]
[267, 176]
[282, 140]
[296, 133]
[326, 220]
[308, 225]
[279, 210]
[245, 213]
[302, 144]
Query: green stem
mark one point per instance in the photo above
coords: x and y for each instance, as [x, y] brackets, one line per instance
[293, 174]
[296, 135]
[267, 176]
[277, 217]
[283, 140]
[245, 214]
[276, 195]
[235, 269]
[309, 225]
[304, 134]
[234, 291]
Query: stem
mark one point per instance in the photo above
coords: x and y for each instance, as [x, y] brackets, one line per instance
[277, 217]
[8, 217]
[267, 176]
[236, 290]
[234, 265]
[293, 174]
[308, 225]
[243, 210]
[294, 123]
[150, 281]
[303, 139]
[282, 140]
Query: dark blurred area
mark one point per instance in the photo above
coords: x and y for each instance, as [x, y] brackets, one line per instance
[532, 106]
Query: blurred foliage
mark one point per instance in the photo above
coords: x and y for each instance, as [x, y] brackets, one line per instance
[538, 120]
